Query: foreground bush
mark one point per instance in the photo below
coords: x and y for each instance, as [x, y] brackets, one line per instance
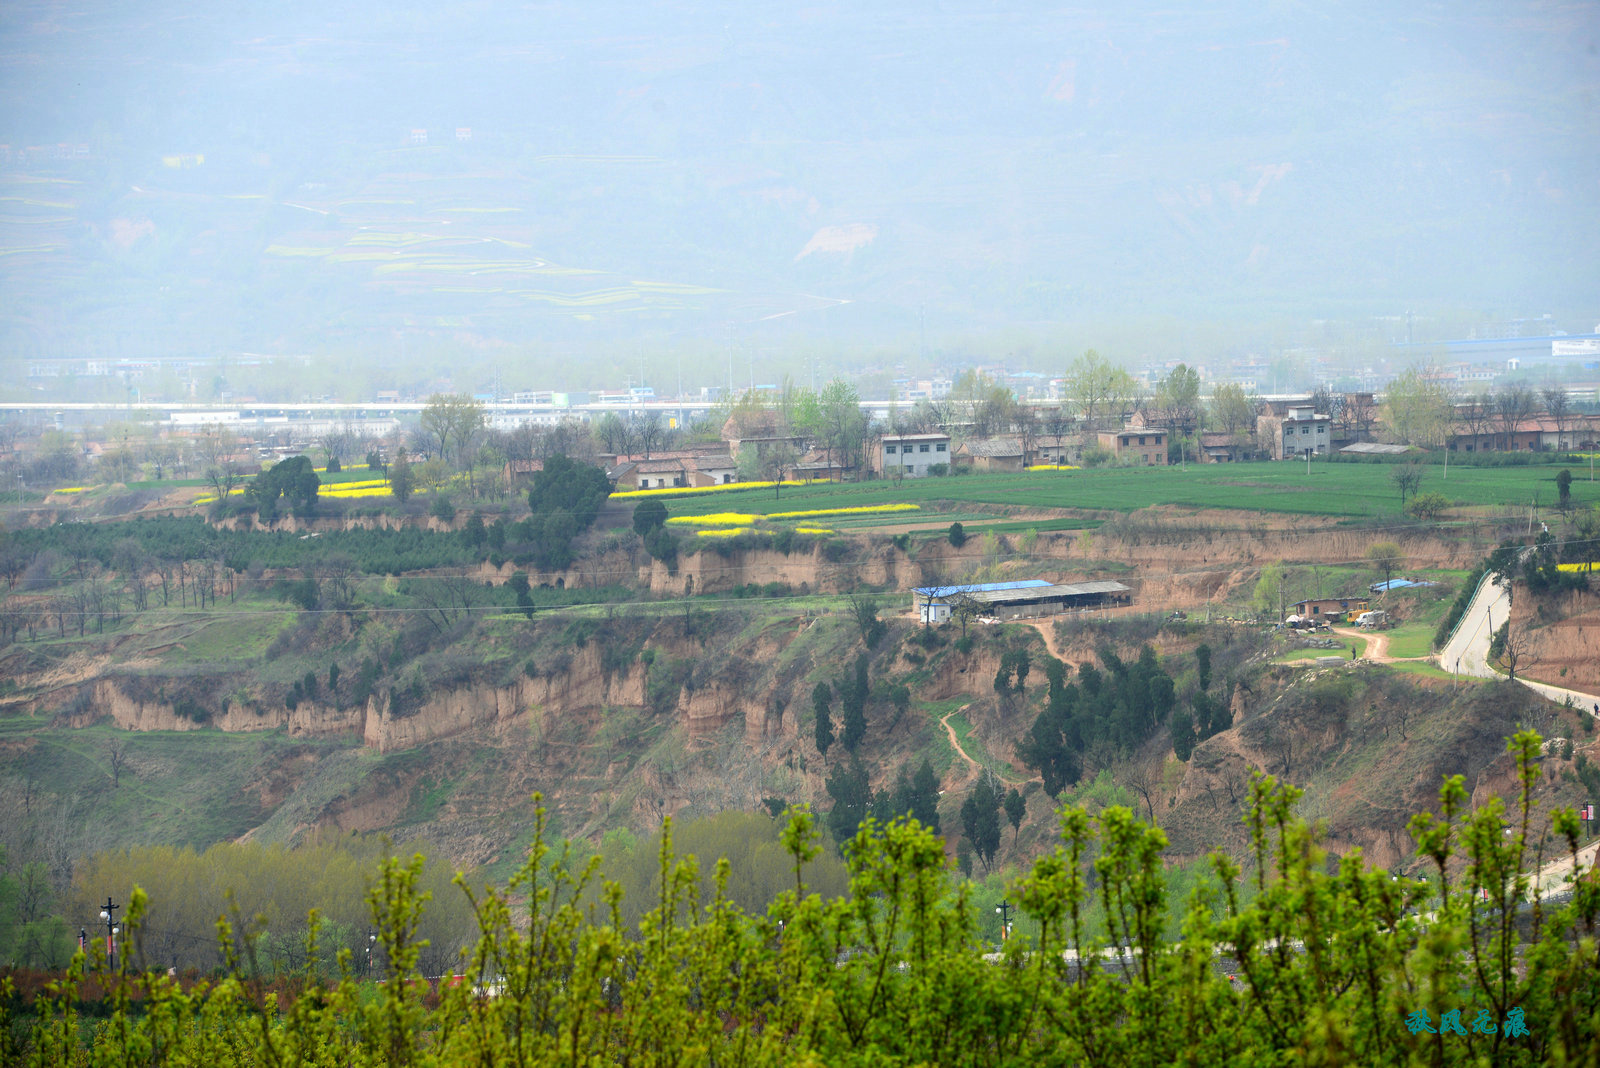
[1305, 965]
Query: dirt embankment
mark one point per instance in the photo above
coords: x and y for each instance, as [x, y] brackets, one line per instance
[1562, 637]
[378, 721]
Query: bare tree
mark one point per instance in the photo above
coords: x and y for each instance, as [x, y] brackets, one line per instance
[1142, 781]
[117, 756]
[1026, 420]
[445, 601]
[1511, 649]
[965, 607]
[338, 581]
[1406, 478]
[1057, 421]
[217, 446]
[1558, 406]
[1512, 405]
[648, 431]
[1360, 413]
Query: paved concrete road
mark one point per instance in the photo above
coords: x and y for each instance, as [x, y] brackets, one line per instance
[1467, 652]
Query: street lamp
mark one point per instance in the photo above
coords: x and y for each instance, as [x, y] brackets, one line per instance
[107, 913]
[1004, 909]
[372, 939]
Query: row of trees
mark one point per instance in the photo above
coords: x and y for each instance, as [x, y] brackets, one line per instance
[1419, 409]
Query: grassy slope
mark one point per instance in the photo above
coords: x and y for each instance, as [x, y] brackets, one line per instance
[194, 787]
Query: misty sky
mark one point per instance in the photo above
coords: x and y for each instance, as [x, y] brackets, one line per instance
[248, 176]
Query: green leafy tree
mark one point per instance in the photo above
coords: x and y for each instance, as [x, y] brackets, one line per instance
[956, 535]
[1417, 407]
[1428, 506]
[1271, 590]
[1233, 412]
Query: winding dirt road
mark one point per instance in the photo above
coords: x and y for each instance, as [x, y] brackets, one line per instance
[955, 743]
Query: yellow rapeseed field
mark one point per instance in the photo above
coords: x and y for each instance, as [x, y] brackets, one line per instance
[859, 510]
[716, 519]
[1053, 467]
[685, 491]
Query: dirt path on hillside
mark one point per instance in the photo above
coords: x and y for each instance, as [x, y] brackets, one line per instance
[955, 743]
[1047, 631]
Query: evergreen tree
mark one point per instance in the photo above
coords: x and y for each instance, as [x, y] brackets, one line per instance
[925, 796]
[1183, 739]
[1161, 696]
[821, 698]
[648, 515]
[474, 532]
[852, 798]
[853, 695]
[519, 586]
[980, 820]
[1016, 808]
[402, 480]
[1202, 660]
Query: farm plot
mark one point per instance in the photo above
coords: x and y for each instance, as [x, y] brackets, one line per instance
[1331, 489]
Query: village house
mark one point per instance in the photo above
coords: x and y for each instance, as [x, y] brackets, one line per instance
[1329, 609]
[1049, 450]
[816, 466]
[519, 473]
[991, 454]
[1146, 446]
[1291, 436]
[912, 454]
[1223, 448]
[676, 468]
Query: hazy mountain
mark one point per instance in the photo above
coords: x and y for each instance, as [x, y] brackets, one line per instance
[245, 177]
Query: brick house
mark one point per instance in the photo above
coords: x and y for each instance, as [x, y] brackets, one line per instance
[1142, 446]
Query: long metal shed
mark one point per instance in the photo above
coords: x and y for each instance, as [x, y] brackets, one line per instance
[1028, 598]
